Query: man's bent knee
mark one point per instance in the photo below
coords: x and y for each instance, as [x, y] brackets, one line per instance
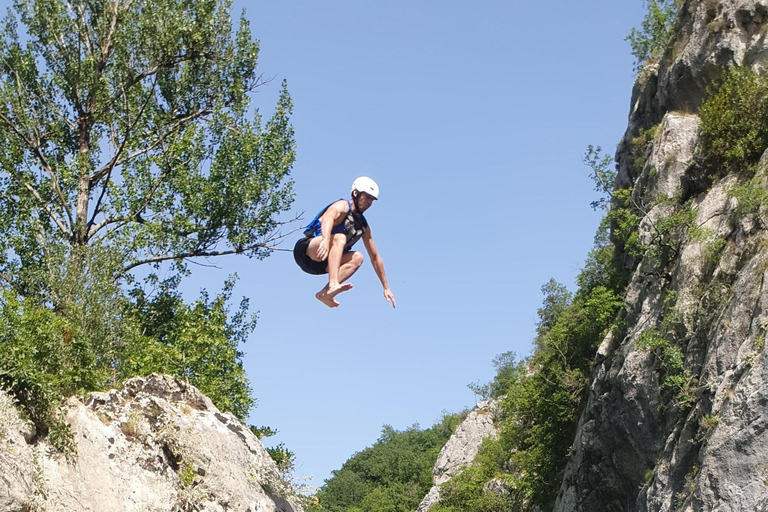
[357, 259]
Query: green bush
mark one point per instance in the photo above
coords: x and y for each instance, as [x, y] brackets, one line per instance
[508, 371]
[467, 492]
[625, 219]
[543, 409]
[542, 402]
[734, 122]
[667, 344]
[283, 457]
[199, 342]
[655, 33]
[43, 358]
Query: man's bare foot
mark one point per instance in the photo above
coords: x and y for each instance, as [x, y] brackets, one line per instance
[332, 292]
[326, 296]
[325, 299]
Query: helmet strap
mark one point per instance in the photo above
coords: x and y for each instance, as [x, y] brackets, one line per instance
[354, 200]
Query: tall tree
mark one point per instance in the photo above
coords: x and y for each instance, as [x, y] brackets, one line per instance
[126, 126]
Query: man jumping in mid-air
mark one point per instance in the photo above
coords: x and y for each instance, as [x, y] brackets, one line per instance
[327, 244]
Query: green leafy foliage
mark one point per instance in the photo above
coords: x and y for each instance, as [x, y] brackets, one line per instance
[603, 174]
[543, 409]
[667, 344]
[43, 357]
[508, 370]
[393, 475]
[734, 122]
[542, 402]
[752, 196]
[198, 342]
[670, 355]
[141, 142]
[283, 457]
[639, 147]
[669, 232]
[655, 33]
[625, 219]
[262, 431]
[47, 355]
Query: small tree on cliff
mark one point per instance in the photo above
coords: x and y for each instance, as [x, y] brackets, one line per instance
[126, 129]
[656, 31]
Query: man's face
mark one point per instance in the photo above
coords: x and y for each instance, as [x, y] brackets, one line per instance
[364, 201]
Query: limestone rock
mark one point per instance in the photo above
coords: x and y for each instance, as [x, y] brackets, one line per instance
[16, 459]
[461, 448]
[154, 445]
[710, 35]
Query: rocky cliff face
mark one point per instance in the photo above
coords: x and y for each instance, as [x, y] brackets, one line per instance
[154, 445]
[704, 446]
[461, 448]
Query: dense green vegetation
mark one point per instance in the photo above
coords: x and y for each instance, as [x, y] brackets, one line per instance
[541, 406]
[393, 475]
[130, 147]
[734, 122]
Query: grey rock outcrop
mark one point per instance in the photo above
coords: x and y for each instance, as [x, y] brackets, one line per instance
[710, 35]
[461, 448]
[640, 447]
[154, 445]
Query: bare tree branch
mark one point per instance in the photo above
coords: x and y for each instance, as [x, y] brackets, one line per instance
[12, 283]
[173, 61]
[133, 215]
[114, 162]
[110, 166]
[51, 213]
[43, 163]
[270, 243]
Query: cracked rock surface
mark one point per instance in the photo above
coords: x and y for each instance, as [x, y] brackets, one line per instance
[157, 444]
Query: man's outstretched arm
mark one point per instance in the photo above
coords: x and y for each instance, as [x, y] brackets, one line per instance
[378, 264]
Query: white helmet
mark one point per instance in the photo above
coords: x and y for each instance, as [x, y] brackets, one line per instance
[367, 185]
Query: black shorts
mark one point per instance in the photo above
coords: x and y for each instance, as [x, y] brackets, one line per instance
[306, 263]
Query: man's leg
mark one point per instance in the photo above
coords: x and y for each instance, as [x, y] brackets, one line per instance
[341, 266]
[338, 241]
[350, 262]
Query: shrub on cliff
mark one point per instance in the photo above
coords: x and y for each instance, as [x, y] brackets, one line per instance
[734, 122]
[655, 33]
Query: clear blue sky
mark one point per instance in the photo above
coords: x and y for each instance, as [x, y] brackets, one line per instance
[473, 118]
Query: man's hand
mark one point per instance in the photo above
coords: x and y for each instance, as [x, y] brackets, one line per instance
[390, 297]
[323, 249]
